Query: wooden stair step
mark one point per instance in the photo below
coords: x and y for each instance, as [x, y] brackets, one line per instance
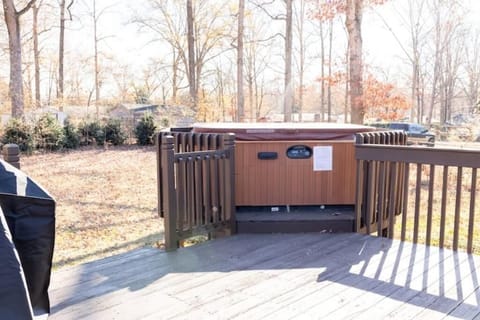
[295, 219]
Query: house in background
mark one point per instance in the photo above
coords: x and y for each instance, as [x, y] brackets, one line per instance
[133, 112]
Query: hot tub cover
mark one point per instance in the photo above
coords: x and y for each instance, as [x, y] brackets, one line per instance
[28, 233]
[284, 131]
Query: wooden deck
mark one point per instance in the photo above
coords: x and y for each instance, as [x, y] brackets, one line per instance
[276, 276]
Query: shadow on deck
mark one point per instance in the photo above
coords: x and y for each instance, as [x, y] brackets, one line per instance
[274, 276]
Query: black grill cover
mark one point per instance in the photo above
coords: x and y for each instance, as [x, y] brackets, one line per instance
[29, 212]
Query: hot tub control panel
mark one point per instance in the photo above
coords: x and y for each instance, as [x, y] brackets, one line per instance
[299, 152]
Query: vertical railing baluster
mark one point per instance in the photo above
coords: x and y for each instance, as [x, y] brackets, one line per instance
[229, 146]
[406, 174]
[206, 189]
[359, 201]
[471, 218]
[443, 208]
[381, 193]
[190, 196]
[392, 200]
[431, 184]
[200, 215]
[370, 196]
[418, 191]
[458, 203]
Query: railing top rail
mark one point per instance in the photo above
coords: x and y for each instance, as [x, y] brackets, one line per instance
[201, 154]
[190, 141]
[390, 137]
[424, 155]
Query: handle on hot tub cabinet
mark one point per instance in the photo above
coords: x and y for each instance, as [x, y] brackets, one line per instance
[267, 155]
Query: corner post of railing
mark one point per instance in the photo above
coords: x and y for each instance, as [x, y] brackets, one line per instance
[229, 146]
[11, 154]
[359, 140]
[169, 202]
[158, 147]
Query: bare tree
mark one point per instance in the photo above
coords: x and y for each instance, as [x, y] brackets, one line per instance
[472, 69]
[416, 9]
[96, 15]
[300, 33]
[288, 100]
[12, 20]
[61, 48]
[36, 53]
[257, 56]
[191, 56]
[95, 18]
[240, 93]
[448, 39]
[169, 24]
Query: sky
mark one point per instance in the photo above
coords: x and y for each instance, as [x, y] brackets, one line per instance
[127, 39]
[130, 46]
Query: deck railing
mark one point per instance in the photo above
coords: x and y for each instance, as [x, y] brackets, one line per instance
[11, 154]
[432, 191]
[195, 184]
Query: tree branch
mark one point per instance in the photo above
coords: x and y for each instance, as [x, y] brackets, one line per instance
[68, 10]
[261, 7]
[27, 7]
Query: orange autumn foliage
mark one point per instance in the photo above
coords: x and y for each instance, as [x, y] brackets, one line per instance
[328, 9]
[382, 100]
[335, 79]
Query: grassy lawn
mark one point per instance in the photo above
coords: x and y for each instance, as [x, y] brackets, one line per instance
[451, 193]
[106, 200]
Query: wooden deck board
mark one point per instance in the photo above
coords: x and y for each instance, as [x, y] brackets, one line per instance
[276, 276]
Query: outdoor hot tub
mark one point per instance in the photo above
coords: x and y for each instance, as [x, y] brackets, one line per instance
[292, 164]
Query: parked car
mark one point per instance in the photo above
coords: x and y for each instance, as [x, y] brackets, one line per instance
[417, 134]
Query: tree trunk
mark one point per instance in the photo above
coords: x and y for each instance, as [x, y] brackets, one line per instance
[288, 94]
[322, 73]
[174, 77]
[191, 56]
[347, 87]
[301, 44]
[61, 54]
[12, 20]
[36, 55]
[436, 65]
[240, 94]
[329, 88]
[97, 67]
[353, 23]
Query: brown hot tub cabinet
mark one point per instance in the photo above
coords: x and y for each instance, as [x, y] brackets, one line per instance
[294, 167]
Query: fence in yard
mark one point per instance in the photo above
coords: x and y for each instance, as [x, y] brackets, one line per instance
[195, 184]
[431, 192]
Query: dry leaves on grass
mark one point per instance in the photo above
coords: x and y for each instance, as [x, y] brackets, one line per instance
[106, 200]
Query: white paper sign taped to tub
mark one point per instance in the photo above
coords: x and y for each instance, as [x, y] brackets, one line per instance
[322, 158]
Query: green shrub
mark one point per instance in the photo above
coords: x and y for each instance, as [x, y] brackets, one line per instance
[19, 132]
[47, 133]
[71, 136]
[144, 130]
[91, 133]
[165, 122]
[114, 132]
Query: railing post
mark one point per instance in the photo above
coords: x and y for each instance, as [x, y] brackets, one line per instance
[11, 154]
[158, 145]
[169, 193]
[229, 146]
